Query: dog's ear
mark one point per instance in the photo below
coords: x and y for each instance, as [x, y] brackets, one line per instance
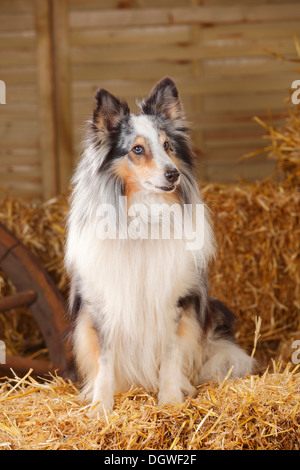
[108, 111]
[164, 100]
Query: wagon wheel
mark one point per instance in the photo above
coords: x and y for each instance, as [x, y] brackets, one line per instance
[37, 291]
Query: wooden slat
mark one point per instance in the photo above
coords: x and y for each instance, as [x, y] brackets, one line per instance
[109, 4]
[46, 99]
[181, 52]
[19, 299]
[246, 102]
[26, 188]
[231, 171]
[138, 71]
[21, 39]
[134, 35]
[17, 21]
[16, 6]
[62, 96]
[19, 157]
[254, 66]
[12, 75]
[15, 178]
[192, 15]
[17, 57]
[201, 86]
[251, 31]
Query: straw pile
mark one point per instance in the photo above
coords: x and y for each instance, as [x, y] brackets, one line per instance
[254, 413]
[257, 274]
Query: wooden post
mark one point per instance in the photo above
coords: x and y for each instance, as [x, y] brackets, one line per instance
[62, 96]
[46, 99]
[196, 37]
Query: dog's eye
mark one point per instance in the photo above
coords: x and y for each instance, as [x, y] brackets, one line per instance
[138, 150]
[166, 145]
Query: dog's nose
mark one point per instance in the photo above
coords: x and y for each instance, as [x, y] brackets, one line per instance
[172, 175]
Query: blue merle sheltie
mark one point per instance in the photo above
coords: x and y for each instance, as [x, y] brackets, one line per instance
[140, 307]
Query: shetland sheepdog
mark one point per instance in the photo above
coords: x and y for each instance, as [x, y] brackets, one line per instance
[139, 304]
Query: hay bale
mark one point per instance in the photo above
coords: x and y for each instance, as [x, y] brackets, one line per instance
[253, 413]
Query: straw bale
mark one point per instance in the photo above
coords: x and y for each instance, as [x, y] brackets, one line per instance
[253, 413]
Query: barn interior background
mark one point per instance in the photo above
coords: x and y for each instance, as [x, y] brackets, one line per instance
[54, 54]
[232, 61]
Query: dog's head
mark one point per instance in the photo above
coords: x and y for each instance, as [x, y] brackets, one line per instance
[145, 150]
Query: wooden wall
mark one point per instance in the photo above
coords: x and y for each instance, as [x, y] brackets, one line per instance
[54, 54]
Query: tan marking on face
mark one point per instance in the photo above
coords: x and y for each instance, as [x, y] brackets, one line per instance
[125, 173]
[162, 139]
[145, 157]
[136, 168]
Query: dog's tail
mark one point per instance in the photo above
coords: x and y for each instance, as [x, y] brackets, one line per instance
[221, 351]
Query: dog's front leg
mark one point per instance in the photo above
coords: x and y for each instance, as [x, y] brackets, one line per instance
[170, 374]
[104, 385]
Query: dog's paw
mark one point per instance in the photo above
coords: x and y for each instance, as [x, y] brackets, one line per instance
[100, 409]
[170, 397]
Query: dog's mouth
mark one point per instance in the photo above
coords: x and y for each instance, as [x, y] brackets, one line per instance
[166, 188]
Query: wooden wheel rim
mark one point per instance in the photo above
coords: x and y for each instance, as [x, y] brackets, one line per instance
[49, 308]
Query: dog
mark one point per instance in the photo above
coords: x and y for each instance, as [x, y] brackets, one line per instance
[140, 307]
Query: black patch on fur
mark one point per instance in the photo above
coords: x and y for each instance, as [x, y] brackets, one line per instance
[116, 150]
[222, 320]
[76, 305]
[198, 303]
[182, 148]
[157, 102]
[110, 109]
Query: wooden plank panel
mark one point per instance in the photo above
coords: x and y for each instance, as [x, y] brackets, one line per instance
[13, 75]
[232, 171]
[24, 141]
[138, 35]
[16, 6]
[201, 86]
[110, 4]
[192, 15]
[25, 109]
[241, 120]
[22, 188]
[21, 39]
[19, 157]
[137, 71]
[19, 173]
[251, 31]
[246, 102]
[181, 52]
[21, 94]
[254, 66]
[17, 22]
[17, 57]
[20, 129]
